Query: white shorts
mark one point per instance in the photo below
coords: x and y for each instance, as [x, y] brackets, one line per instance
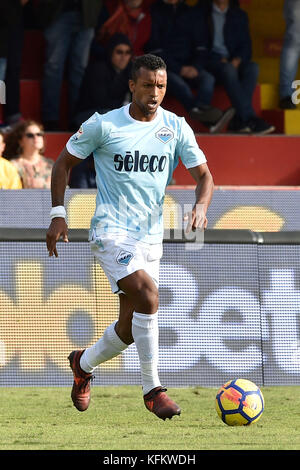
[120, 256]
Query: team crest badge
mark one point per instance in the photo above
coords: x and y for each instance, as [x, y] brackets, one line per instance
[124, 257]
[164, 135]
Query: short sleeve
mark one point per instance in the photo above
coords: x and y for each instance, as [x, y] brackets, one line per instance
[187, 147]
[87, 138]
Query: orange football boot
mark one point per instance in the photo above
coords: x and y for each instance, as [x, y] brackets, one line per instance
[158, 402]
[81, 390]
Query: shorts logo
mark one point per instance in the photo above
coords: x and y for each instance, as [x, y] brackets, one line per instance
[164, 135]
[124, 257]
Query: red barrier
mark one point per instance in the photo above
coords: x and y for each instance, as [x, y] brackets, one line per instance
[233, 160]
[249, 160]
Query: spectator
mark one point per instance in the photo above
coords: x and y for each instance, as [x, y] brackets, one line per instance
[173, 39]
[25, 149]
[105, 84]
[290, 54]
[129, 17]
[104, 87]
[9, 176]
[68, 30]
[12, 18]
[228, 59]
[4, 29]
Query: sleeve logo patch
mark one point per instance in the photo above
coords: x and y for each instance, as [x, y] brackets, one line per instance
[78, 133]
[164, 135]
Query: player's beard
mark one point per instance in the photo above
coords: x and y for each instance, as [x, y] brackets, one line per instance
[146, 110]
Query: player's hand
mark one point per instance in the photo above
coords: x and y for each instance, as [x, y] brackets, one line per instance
[196, 218]
[58, 228]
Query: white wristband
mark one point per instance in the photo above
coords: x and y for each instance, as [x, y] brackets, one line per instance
[58, 211]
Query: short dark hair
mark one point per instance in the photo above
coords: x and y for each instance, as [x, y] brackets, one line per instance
[149, 62]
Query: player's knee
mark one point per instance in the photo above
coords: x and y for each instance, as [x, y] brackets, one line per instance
[147, 299]
[141, 292]
[152, 301]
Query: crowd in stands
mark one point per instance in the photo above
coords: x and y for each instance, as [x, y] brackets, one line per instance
[290, 53]
[92, 42]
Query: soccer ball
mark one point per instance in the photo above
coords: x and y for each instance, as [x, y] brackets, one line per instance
[239, 402]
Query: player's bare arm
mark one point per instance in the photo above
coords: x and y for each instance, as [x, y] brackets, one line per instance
[59, 180]
[204, 191]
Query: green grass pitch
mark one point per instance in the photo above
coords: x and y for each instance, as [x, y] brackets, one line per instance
[45, 419]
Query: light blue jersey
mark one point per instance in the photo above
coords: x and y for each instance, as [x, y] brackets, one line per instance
[134, 161]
